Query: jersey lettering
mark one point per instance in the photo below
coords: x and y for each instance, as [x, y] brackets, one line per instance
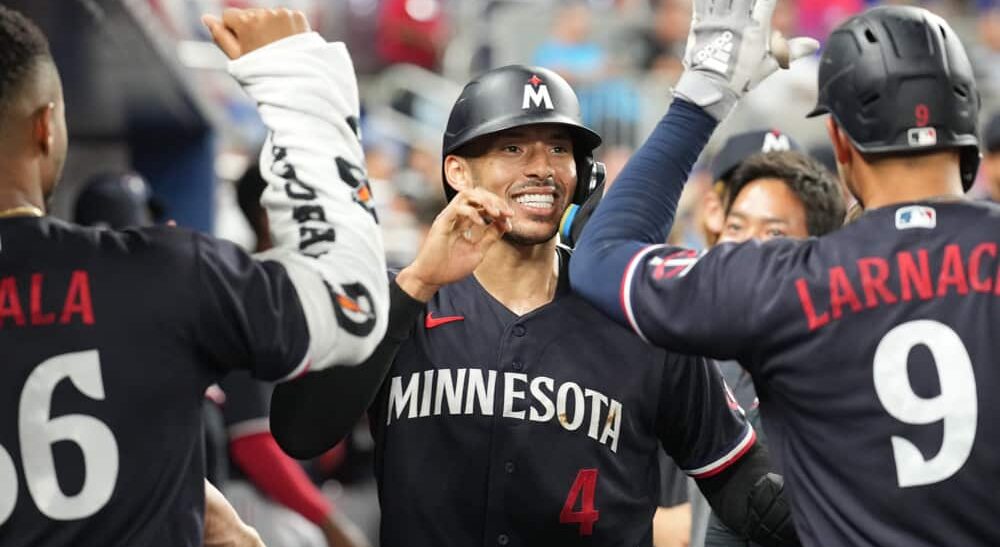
[572, 406]
[77, 306]
[886, 282]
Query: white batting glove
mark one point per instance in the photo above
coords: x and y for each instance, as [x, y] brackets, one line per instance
[730, 50]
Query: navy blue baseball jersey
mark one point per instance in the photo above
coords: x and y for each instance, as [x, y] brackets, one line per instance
[541, 429]
[111, 339]
[874, 356]
[872, 348]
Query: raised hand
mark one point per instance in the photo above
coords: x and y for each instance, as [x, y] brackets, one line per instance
[241, 31]
[457, 242]
[730, 49]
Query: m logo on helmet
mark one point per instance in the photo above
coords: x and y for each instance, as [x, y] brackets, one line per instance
[775, 142]
[536, 94]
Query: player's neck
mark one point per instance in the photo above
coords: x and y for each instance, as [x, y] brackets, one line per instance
[522, 278]
[16, 195]
[908, 180]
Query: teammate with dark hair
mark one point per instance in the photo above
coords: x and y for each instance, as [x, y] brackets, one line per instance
[505, 418]
[872, 347]
[111, 337]
[779, 194]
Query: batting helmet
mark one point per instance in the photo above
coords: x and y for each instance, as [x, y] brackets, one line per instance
[117, 200]
[897, 79]
[515, 96]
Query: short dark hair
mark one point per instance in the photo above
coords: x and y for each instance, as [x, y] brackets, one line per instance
[815, 186]
[22, 45]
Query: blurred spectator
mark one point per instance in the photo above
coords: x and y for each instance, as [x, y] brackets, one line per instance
[412, 31]
[991, 157]
[419, 182]
[570, 51]
[663, 44]
[818, 17]
[986, 54]
[400, 229]
[607, 104]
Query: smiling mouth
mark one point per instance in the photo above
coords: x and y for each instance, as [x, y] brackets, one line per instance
[540, 202]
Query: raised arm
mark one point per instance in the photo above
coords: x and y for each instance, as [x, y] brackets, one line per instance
[318, 203]
[730, 49]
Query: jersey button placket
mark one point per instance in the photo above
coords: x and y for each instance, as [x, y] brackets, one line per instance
[516, 364]
[519, 330]
[502, 539]
[509, 467]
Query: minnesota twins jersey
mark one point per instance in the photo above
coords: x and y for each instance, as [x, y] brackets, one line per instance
[874, 352]
[542, 429]
[110, 339]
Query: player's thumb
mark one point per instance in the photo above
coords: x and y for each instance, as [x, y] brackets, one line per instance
[801, 47]
[786, 51]
[223, 37]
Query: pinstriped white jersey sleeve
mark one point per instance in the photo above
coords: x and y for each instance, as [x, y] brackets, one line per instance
[317, 198]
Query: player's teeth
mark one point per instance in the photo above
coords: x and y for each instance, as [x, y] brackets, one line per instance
[538, 201]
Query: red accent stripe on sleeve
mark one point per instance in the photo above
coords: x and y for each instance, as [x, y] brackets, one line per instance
[625, 293]
[720, 465]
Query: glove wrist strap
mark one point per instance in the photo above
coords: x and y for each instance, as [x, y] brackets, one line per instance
[708, 92]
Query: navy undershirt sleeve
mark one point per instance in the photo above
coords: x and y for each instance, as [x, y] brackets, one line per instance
[640, 206]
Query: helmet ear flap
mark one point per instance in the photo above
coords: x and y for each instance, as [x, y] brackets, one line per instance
[590, 174]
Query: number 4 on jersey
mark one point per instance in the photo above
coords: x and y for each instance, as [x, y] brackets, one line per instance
[583, 489]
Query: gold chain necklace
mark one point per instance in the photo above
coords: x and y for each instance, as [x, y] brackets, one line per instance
[22, 211]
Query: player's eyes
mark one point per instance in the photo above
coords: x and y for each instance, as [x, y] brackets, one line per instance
[511, 148]
[776, 233]
[560, 149]
[733, 227]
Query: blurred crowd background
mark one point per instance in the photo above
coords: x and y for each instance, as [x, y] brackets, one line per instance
[147, 93]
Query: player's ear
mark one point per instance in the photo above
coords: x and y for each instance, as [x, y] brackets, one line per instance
[841, 143]
[713, 215]
[43, 128]
[457, 173]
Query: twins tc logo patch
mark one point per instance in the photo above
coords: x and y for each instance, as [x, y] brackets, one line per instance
[674, 265]
[536, 94]
[353, 308]
[915, 216]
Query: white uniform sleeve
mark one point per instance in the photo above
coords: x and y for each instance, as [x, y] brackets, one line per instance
[317, 199]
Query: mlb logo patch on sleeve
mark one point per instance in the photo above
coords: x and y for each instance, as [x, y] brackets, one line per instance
[915, 216]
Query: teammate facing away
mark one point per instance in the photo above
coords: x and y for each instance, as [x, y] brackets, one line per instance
[111, 337]
[873, 348]
[505, 418]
